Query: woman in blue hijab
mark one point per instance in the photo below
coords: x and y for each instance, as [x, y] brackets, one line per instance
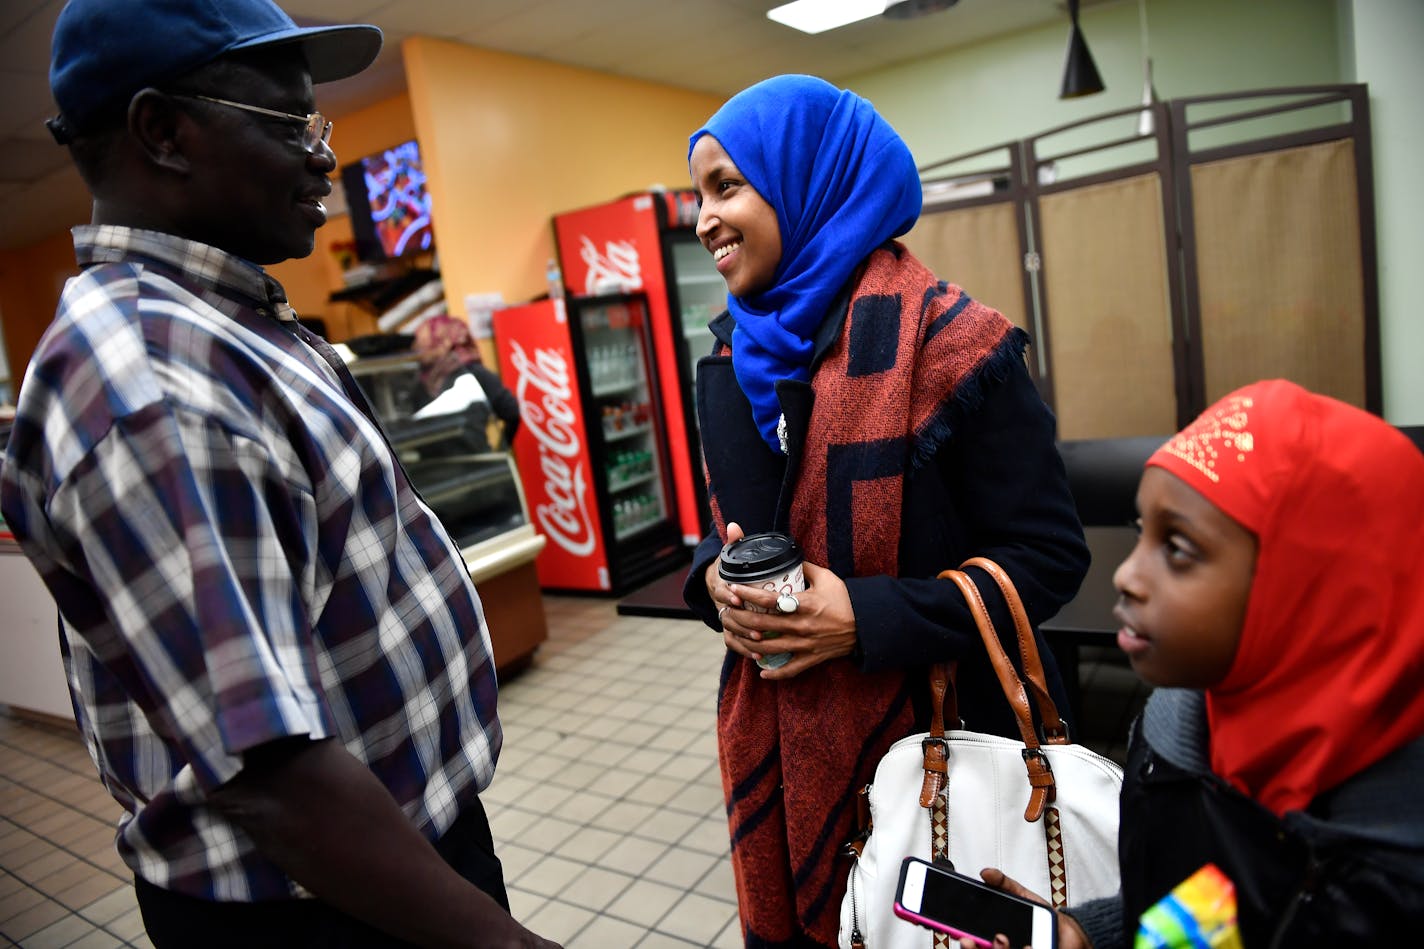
[887, 422]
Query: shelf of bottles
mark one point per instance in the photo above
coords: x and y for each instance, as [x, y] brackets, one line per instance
[618, 378]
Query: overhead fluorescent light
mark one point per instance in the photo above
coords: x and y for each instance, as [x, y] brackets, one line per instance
[817, 16]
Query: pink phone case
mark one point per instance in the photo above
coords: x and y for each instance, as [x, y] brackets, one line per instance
[938, 926]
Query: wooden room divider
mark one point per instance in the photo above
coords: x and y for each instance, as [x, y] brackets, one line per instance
[1161, 257]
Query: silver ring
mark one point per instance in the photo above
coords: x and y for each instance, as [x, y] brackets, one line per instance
[722, 611]
[787, 603]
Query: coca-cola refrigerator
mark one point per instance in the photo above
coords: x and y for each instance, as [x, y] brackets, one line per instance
[591, 447]
[647, 242]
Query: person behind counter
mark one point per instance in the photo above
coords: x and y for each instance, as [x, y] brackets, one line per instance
[275, 653]
[454, 378]
[887, 422]
[1275, 598]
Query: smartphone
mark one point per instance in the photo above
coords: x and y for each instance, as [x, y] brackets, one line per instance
[966, 908]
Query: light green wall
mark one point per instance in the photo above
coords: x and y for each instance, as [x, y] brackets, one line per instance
[1006, 89]
[1389, 35]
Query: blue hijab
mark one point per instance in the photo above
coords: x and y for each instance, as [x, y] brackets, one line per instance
[842, 183]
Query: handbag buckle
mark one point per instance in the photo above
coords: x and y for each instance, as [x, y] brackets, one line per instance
[1059, 736]
[1036, 754]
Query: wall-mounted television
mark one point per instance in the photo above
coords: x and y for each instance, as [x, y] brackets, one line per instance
[389, 204]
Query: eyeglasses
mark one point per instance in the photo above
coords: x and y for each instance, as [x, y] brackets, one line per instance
[316, 127]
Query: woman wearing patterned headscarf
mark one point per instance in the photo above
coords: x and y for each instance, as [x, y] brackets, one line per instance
[450, 366]
[888, 423]
[1276, 598]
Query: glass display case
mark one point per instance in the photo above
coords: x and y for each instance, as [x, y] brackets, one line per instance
[456, 456]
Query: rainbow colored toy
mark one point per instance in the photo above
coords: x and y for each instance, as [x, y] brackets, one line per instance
[1200, 912]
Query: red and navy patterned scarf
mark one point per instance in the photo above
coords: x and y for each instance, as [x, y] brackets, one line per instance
[910, 361]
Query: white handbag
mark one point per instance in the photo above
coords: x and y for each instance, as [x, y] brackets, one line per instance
[1042, 810]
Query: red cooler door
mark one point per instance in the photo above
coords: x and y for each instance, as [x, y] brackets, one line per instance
[538, 361]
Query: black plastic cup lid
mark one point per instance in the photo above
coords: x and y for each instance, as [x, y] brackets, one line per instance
[758, 554]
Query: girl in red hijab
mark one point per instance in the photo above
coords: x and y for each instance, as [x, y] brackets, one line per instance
[1276, 597]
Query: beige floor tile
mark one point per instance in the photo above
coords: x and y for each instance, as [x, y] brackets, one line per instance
[43, 865]
[509, 822]
[667, 825]
[615, 783]
[697, 919]
[66, 877]
[719, 883]
[625, 817]
[22, 847]
[656, 791]
[59, 933]
[9, 883]
[106, 909]
[596, 887]
[584, 807]
[551, 876]
[681, 868]
[605, 932]
[731, 936]
[559, 921]
[516, 860]
[644, 903]
[708, 836]
[589, 844]
[126, 926]
[26, 923]
[90, 889]
[545, 797]
[524, 903]
[548, 834]
[17, 901]
[658, 940]
[634, 854]
[98, 939]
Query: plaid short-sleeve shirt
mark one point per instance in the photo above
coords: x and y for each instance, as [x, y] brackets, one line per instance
[237, 557]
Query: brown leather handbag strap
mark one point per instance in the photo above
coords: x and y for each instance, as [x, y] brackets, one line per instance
[1043, 791]
[935, 750]
[1054, 731]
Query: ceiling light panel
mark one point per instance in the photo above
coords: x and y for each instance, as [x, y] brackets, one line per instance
[817, 16]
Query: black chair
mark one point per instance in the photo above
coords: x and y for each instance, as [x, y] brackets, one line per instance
[1103, 475]
[1415, 433]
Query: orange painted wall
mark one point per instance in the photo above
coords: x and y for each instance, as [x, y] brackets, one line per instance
[31, 279]
[508, 142]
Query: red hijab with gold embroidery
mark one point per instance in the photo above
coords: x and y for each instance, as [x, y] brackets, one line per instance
[1326, 678]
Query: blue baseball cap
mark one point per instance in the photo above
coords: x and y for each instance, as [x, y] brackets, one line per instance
[107, 49]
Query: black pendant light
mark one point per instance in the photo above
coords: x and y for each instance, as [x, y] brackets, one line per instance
[1080, 73]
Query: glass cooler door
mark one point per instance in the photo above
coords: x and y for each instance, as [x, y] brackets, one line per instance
[624, 420]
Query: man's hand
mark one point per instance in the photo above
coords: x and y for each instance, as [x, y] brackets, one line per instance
[325, 819]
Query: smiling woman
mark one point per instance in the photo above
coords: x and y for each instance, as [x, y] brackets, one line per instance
[887, 423]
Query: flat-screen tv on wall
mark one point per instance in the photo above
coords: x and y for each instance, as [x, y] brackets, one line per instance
[390, 206]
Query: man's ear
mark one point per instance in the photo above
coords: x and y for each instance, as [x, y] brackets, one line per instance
[157, 125]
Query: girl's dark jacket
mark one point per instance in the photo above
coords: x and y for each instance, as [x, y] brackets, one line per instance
[1349, 871]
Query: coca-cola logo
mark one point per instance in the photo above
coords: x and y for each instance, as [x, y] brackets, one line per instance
[616, 268]
[564, 517]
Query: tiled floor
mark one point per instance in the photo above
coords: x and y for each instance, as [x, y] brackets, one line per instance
[607, 808]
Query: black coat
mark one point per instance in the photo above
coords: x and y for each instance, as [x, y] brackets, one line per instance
[1349, 871]
[996, 488]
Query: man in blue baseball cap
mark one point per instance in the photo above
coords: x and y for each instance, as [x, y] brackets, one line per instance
[276, 656]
